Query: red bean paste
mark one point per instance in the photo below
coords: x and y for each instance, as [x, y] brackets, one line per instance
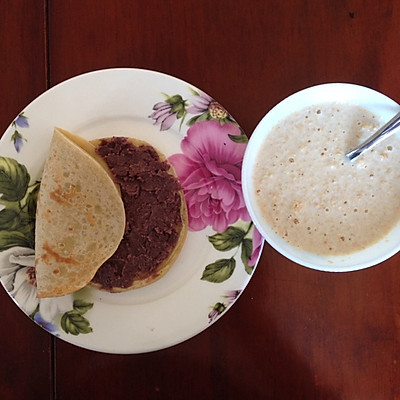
[151, 196]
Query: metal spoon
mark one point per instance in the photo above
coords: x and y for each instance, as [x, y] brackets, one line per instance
[382, 133]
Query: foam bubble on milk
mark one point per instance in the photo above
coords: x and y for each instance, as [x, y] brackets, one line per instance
[312, 196]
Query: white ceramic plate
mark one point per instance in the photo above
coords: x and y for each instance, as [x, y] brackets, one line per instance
[206, 147]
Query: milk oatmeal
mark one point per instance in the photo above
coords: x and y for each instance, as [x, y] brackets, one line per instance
[312, 196]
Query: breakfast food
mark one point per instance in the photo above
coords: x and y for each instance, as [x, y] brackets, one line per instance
[80, 218]
[156, 215]
[111, 213]
[314, 198]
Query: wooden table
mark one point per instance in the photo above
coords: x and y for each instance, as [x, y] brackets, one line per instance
[295, 333]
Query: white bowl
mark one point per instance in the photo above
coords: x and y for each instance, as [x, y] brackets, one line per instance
[383, 107]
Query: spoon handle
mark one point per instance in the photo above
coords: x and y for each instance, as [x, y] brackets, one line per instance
[382, 133]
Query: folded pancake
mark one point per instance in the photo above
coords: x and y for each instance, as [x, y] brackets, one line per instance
[156, 215]
[80, 217]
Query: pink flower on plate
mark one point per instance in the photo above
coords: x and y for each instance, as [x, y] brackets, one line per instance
[210, 173]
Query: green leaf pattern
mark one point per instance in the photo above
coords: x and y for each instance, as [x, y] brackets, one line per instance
[220, 270]
[247, 249]
[14, 180]
[73, 322]
[235, 237]
[227, 240]
[18, 198]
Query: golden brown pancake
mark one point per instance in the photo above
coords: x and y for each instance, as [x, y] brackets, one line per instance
[80, 217]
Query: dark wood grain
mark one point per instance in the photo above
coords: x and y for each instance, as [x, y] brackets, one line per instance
[295, 333]
[25, 367]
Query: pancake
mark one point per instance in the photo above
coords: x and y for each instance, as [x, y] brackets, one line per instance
[156, 215]
[80, 217]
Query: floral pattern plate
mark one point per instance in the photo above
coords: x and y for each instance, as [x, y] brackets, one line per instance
[206, 147]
